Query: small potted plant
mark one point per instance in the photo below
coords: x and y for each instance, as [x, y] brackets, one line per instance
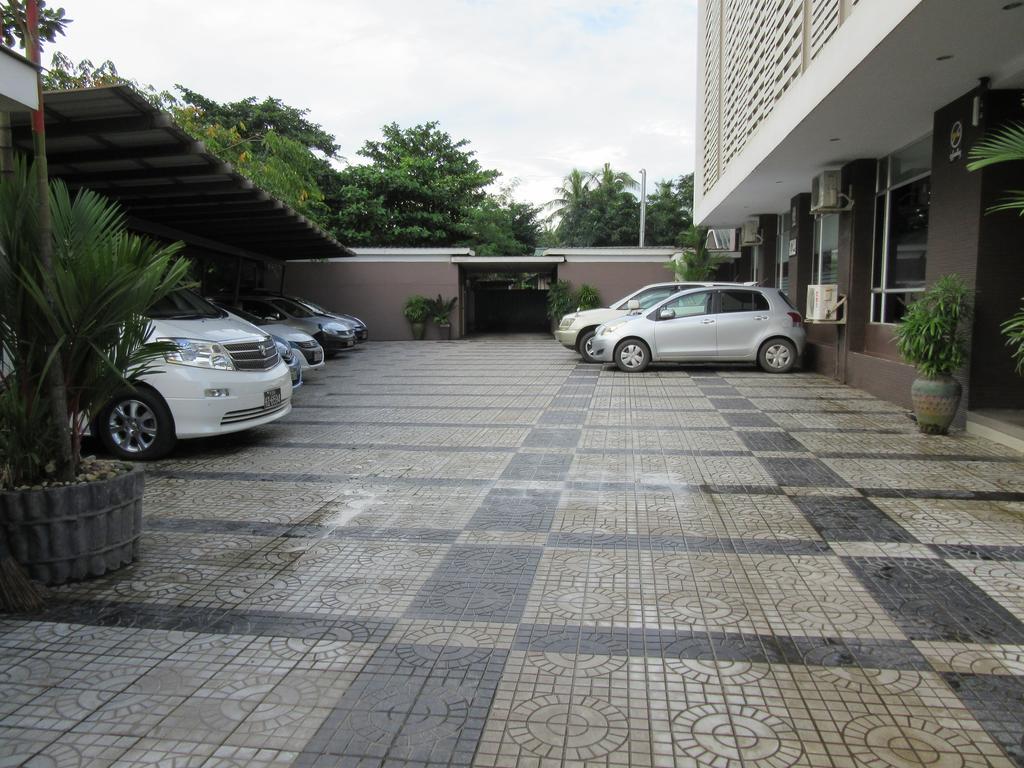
[587, 298]
[560, 302]
[441, 310]
[417, 312]
[933, 338]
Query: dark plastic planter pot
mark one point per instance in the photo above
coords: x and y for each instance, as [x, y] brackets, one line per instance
[76, 531]
[419, 330]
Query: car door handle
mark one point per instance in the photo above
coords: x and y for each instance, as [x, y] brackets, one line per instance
[709, 321]
[761, 317]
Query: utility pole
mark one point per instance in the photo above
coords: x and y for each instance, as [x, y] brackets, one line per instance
[643, 204]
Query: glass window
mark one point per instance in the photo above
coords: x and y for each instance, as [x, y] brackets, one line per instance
[911, 162]
[743, 301]
[690, 305]
[293, 309]
[901, 233]
[825, 266]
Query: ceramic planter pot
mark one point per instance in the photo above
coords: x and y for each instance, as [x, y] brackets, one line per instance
[935, 402]
[72, 532]
[419, 330]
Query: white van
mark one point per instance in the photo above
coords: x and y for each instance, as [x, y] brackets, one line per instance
[225, 376]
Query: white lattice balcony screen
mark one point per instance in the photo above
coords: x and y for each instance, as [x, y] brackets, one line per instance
[754, 50]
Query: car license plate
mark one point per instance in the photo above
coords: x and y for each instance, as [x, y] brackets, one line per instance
[271, 397]
[317, 357]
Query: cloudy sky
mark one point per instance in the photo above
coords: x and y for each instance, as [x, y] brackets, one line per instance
[537, 86]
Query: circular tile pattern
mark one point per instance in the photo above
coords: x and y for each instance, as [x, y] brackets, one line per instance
[909, 742]
[361, 594]
[735, 736]
[868, 680]
[584, 604]
[710, 672]
[560, 726]
[706, 609]
[577, 665]
[830, 612]
[983, 663]
[156, 582]
[587, 563]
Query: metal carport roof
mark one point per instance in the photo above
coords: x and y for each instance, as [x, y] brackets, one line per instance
[112, 140]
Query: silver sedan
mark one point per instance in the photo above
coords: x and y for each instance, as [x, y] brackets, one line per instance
[748, 324]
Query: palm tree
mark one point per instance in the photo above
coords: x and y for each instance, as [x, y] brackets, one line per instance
[571, 194]
[608, 179]
[1007, 146]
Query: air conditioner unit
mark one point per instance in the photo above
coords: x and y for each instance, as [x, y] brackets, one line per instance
[751, 233]
[822, 301]
[827, 195]
[721, 240]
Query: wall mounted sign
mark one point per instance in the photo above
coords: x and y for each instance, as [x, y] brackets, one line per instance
[956, 141]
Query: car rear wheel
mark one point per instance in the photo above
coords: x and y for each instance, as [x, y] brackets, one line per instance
[632, 356]
[137, 426]
[586, 347]
[777, 356]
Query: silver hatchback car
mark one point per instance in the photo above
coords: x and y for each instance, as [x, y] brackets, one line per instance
[741, 324]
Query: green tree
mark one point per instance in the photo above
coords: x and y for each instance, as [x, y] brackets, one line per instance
[607, 178]
[13, 23]
[670, 212]
[503, 226]
[419, 188]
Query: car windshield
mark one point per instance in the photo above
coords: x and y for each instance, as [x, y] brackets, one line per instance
[293, 308]
[249, 317]
[184, 305]
[311, 306]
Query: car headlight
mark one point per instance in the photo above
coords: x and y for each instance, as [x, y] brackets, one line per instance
[199, 354]
[610, 328]
[338, 330]
[284, 351]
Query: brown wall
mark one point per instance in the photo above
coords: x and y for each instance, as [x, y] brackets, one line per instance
[1000, 277]
[613, 280]
[375, 291]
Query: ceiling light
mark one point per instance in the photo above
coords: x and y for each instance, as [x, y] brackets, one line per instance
[835, 138]
[944, 57]
[1011, 6]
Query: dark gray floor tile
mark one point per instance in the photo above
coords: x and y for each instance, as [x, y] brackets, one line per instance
[997, 702]
[850, 519]
[538, 466]
[930, 600]
[552, 438]
[512, 510]
[802, 471]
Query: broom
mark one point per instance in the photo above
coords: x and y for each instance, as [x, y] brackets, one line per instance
[18, 593]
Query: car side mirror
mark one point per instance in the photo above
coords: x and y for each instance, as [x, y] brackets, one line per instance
[632, 305]
[666, 314]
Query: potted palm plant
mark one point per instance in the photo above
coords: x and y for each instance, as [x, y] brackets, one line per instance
[441, 310]
[933, 338]
[417, 312]
[81, 312]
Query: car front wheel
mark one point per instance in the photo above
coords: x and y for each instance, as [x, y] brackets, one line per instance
[777, 356]
[632, 356]
[137, 426]
[587, 347]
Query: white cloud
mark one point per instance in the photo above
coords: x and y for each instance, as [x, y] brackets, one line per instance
[538, 86]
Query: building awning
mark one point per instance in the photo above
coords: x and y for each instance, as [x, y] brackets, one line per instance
[113, 141]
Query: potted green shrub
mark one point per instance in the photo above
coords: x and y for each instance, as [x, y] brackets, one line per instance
[441, 311]
[79, 311]
[417, 312]
[933, 338]
[560, 302]
[587, 297]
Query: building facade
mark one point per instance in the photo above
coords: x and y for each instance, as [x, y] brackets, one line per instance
[889, 96]
[496, 294]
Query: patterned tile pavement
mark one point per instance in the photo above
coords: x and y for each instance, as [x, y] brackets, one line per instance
[483, 553]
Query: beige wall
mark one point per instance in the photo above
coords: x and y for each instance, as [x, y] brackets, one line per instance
[375, 292]
[613, 280]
